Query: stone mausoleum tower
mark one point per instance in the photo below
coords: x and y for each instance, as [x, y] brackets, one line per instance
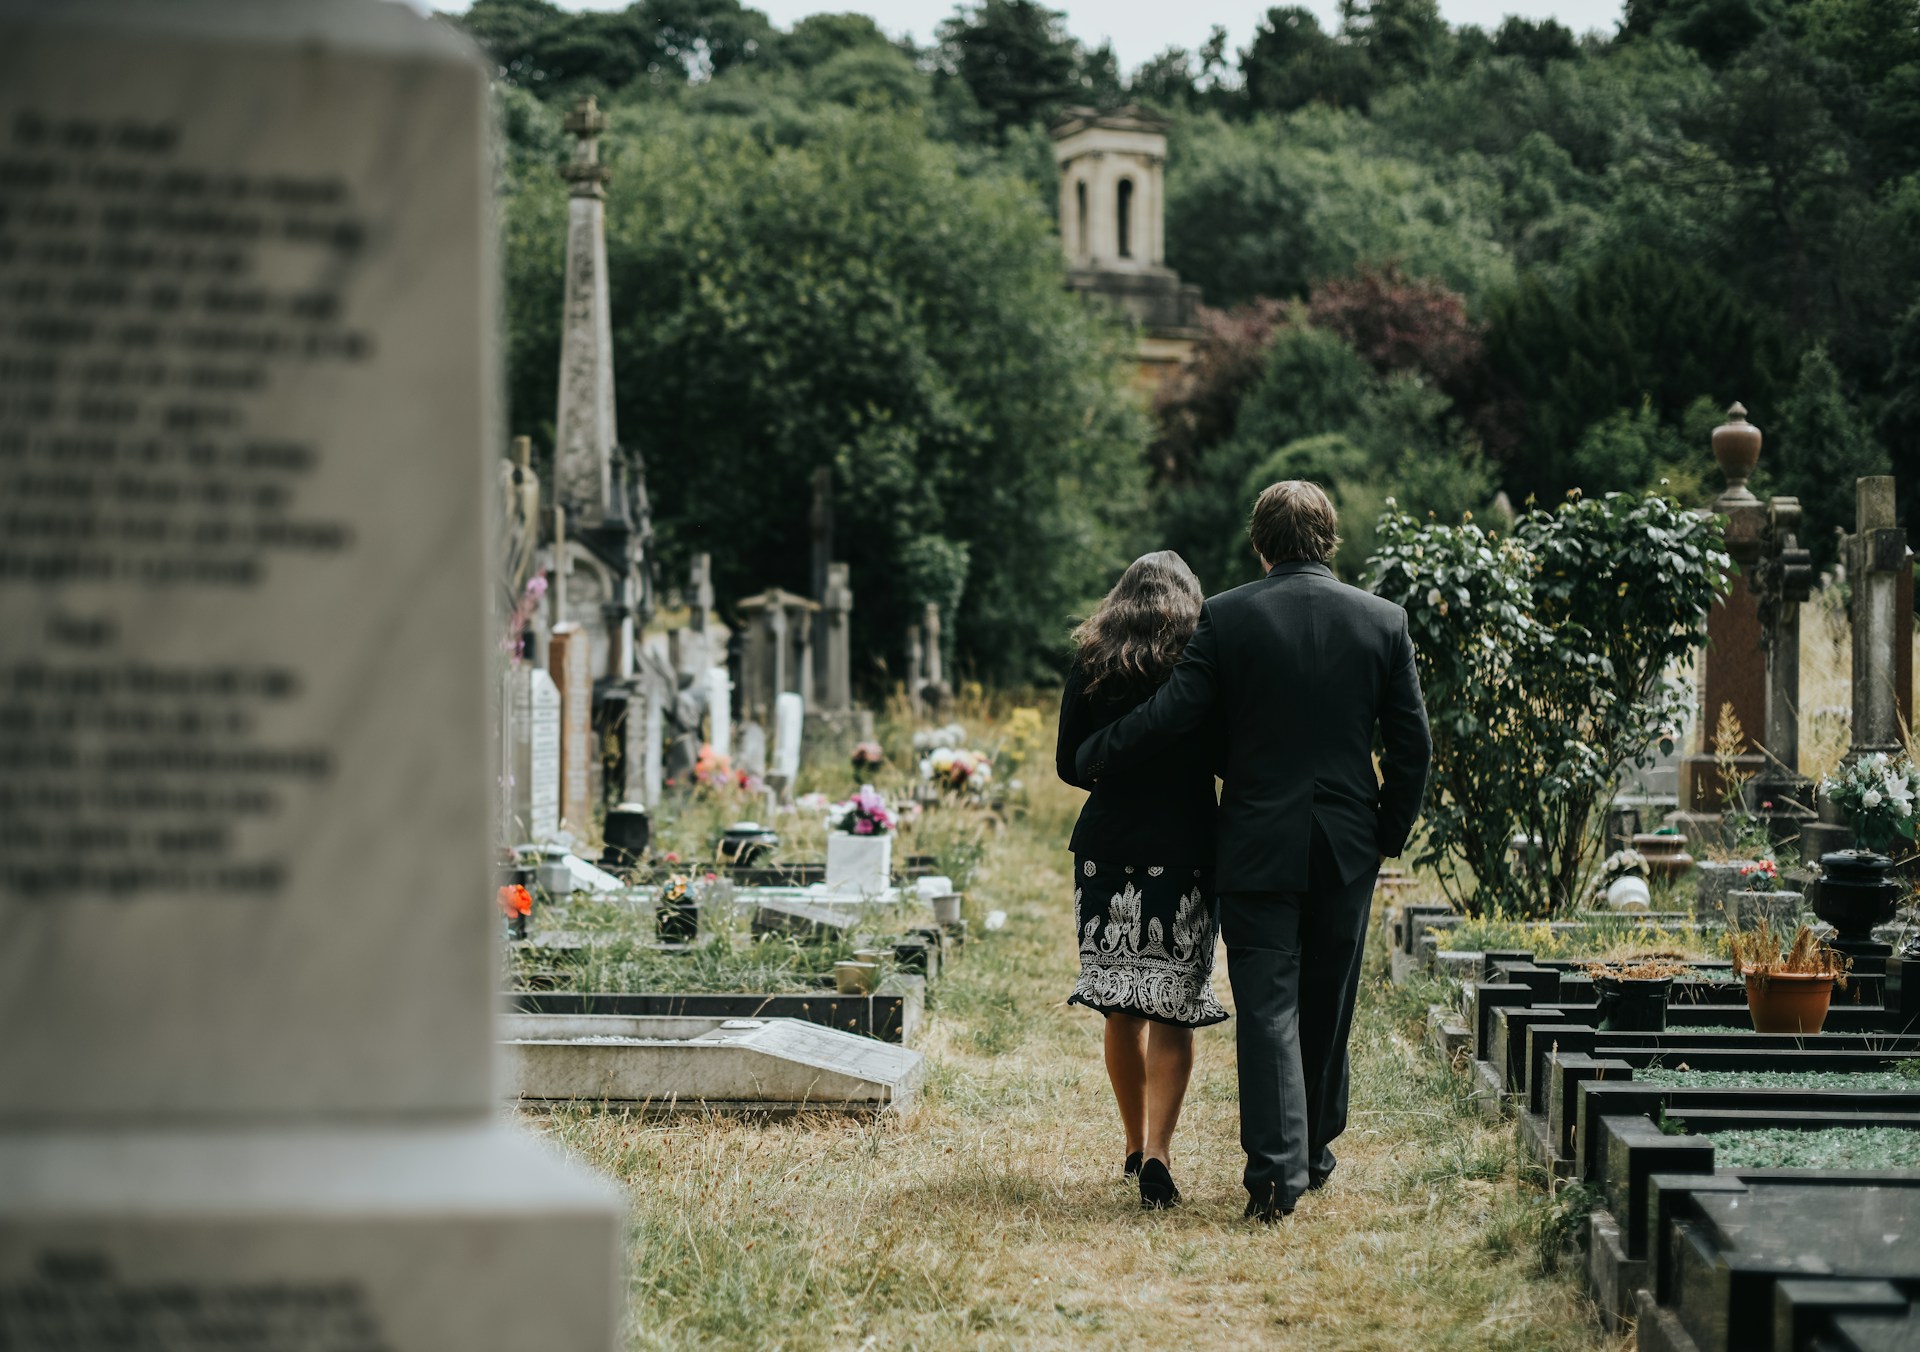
[1113, 228]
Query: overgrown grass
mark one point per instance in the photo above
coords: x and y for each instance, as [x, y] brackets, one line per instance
[993, 1215]
[1607, 935]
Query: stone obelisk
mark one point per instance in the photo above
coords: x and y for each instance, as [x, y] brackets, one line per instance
[584, 429]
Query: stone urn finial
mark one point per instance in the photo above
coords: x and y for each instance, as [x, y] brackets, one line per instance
[1736, 449]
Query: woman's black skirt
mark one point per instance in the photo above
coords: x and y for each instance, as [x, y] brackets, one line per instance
[1147, 935]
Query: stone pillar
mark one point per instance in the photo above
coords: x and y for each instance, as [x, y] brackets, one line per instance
[249, 1093]
[836, 695]
[1783, 580]
[774, 617]
[1903, 643]
[916, 667]
[568, 661]
[584, 429]
[1879, 559]
[936, 681]
[1733, 666]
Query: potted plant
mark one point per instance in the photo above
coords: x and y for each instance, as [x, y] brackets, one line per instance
[1633, 992]
[1789, 986]
[860, 846]
[1624, 875]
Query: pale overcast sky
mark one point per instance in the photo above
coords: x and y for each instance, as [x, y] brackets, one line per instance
[1140, 29]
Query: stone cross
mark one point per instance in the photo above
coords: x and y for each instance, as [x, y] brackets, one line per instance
[837, 691]
[916, 667]
[779, 650]
[1878, 557]
[249, 1093]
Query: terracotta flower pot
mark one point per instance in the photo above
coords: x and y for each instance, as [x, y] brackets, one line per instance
[1788, 1002]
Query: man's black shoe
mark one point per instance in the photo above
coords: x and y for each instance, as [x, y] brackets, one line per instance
[1317, 1180]
[1267, 1209]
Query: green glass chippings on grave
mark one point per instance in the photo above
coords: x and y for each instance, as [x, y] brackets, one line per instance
[1904, 1079]
[1832, 1148]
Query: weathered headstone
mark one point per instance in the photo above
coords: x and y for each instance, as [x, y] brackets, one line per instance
[250, 344]
[916, 667]
[720, 711]
[789, 720]
[567, 659]
[753, 749]
[536, 755]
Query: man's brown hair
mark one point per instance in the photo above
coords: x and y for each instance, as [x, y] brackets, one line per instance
[1294, 520]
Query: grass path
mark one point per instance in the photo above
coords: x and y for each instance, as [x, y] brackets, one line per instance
[993, 1215]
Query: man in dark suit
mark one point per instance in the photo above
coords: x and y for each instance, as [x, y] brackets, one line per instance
[1301, 669]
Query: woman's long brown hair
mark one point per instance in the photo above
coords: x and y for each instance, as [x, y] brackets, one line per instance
[1132, 641]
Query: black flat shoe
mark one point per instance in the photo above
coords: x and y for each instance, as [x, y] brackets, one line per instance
[1267, 1210]
[1133, 1165]
[1156, 1187]
[1317, 1180]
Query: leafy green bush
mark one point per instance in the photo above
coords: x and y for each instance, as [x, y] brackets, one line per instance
[1546, 657]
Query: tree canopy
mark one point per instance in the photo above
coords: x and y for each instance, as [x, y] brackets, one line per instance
[1444, 262]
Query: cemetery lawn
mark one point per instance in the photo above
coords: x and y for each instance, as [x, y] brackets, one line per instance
[993, 1214]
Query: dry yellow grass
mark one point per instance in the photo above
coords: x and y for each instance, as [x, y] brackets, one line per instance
[992, 1215]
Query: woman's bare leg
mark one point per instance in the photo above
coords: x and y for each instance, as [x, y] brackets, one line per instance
[1126, 1048]
[1169, 1065]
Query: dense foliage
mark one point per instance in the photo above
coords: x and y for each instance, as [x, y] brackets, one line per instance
[1445, 263]
[1546, 655]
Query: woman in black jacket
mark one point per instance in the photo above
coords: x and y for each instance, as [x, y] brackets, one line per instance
[1144, 906]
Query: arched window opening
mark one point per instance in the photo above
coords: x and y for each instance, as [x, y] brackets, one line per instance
[1080, 216]
[1126, 218]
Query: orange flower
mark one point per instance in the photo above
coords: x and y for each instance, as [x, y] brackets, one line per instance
[515, 900]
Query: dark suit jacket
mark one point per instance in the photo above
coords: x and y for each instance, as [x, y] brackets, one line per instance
[1302, 669]
[1161, 810]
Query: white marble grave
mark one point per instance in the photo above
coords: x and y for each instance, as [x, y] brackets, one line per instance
[789, 722]
[720, 711]
[664, 1063]
[244, 630]
[537, 742]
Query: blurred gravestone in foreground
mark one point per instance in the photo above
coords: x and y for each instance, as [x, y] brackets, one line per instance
[247, 399]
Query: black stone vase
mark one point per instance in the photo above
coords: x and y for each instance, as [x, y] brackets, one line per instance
[1857, 890]
[627, 830]
[677, 920]
[1633, 1006]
